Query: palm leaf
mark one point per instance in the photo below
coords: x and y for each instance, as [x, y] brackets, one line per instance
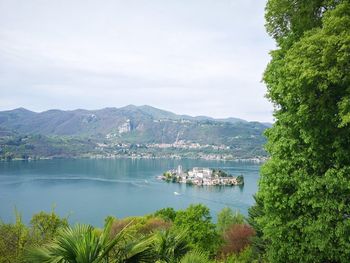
[80, 244]
[140, 250]
[170, 246]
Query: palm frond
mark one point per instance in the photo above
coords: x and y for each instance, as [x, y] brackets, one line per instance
[83, 244]
[140, 250]
[170, 246]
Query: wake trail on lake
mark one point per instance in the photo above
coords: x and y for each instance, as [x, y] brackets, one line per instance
[137, 183]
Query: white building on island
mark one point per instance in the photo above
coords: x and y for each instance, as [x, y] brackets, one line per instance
[202, 176]
[197, 172]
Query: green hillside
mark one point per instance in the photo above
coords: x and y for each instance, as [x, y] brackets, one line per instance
[130, 130]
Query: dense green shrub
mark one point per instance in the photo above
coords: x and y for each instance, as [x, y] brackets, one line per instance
[202, 233]
[45, 225]
[166, 213]
[16, 238]
[236, 238]
[245, 256]
[226, 218]
[13, 240]
[196, 256]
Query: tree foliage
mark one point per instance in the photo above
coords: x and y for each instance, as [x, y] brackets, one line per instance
[46, 225]
[258, 243]
[305, 186]
[287, 20]
[245, 256]
[13, 240]
[167, 213]
[16, 238]
[202, 233]
[226, 218]
[149, 238]
[196, 256]
[236, 238]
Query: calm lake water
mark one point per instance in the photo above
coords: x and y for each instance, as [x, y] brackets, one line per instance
[89, 190]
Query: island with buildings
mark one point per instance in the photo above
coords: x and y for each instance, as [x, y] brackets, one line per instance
[202, 176]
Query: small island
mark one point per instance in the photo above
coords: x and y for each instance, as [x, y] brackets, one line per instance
[202, 176]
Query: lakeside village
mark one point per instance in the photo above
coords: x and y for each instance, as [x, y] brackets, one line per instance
[202, 176]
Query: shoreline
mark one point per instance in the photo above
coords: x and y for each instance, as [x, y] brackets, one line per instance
[238, 160]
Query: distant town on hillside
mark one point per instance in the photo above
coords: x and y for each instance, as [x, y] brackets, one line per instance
[131, 131]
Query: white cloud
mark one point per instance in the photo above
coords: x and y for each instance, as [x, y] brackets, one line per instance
[194, 57]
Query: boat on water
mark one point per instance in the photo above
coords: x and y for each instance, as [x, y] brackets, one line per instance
[176, 193]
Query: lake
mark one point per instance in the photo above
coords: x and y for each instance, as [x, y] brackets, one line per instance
[88, 190]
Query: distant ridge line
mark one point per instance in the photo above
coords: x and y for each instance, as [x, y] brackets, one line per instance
[144, 108]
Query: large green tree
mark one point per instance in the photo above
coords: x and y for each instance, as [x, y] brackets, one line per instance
[304, 195]
[201, 231]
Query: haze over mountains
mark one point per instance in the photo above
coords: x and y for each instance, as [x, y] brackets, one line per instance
[142, 125]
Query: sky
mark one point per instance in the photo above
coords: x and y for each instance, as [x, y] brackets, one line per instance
[195, 57]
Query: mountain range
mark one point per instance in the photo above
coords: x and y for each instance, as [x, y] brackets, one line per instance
[141, 125]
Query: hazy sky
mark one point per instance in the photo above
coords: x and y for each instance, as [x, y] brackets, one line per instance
[196, 57]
